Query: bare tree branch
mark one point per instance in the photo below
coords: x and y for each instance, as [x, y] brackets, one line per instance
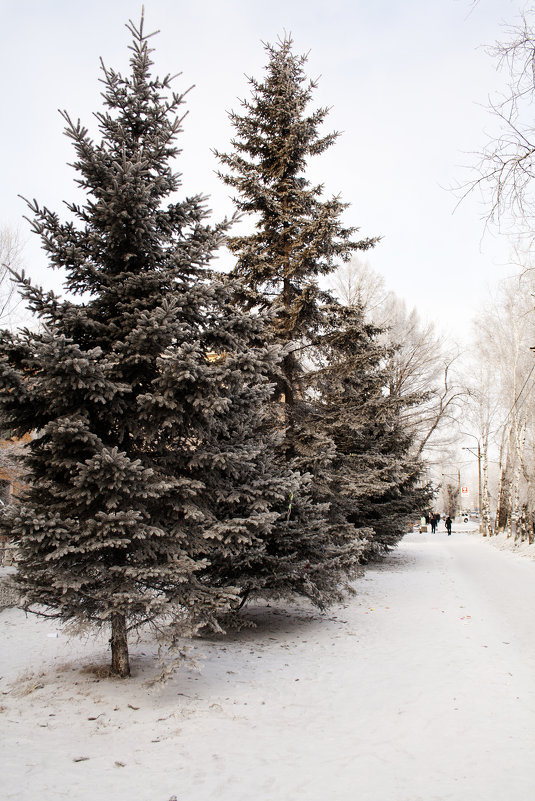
[506, 164]
[420, 364]
[10, 260]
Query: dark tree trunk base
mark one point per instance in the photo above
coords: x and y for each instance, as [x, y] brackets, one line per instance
[120, 663]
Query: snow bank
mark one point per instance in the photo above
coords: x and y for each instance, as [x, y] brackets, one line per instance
[505, 543]
[421, 688]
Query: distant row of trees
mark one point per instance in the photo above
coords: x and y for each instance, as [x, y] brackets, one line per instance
[207, 439]
[502, 410]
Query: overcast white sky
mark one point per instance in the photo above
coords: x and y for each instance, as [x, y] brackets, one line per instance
[407, 81]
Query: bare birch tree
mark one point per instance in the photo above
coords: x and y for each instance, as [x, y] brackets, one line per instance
[422, 363]
[505, 168]
[356, 284]
[505, 331]
[10, 259]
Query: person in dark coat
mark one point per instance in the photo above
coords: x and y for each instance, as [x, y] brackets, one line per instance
[433, 523]
[448, 525]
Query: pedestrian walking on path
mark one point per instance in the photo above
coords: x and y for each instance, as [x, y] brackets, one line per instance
[448, 525]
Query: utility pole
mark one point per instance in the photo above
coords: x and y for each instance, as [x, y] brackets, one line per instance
[478, 456]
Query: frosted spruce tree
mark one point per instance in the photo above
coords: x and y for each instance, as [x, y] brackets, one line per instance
[152, 488]
[373, 481]
[298, 237]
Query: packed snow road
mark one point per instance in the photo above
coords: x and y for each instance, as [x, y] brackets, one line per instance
[421, 688]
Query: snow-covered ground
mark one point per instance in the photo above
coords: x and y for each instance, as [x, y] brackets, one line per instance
[505, 543]
[421, 688]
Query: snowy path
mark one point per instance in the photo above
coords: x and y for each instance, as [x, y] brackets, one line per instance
[422, 688]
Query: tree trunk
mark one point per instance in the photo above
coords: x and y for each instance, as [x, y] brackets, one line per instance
[288, 363]
[484, 512]
[504, 489]
[515, 510]
[504, 499]
[120, 664]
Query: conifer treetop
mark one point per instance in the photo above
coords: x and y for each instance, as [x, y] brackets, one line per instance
[123, 228]
[298, 234]
[281, 102]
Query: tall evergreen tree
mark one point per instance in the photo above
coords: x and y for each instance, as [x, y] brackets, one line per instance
[340, 425]
[298, 236]
[147, 479]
